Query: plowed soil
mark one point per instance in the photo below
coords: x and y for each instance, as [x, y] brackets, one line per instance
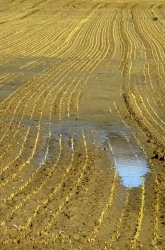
[82, 124]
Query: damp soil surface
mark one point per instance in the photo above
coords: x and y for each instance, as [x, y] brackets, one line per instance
[82, 125]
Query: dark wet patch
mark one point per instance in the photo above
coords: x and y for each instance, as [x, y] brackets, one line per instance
[126, 156]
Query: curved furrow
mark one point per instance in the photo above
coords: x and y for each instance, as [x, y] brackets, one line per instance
[27, 36]
[138, 223]
[146, 220]
[66, 92]
[96, 55]
[63, 90]
[142, 26]
[161, 72]
[30, 157]
[154, 84]
[7, 104]
[63, 96]
[142, 37]
[92, 28]
[77, 190]
[140, 217]
[78, 44]
[43, 162]
[71, 99]
[55, 45]
[95, 65]
[89, 63]
[161, 13]
[110, 199]
[123, 49]
[46, 201]
[117, 232]
[14, 95]
[158, 13]
[18, 29]
[118, 224]
[47, 78]
[6, 78]
[11, 79]
[54, 41]
[128, 21]
[154, 207]
[28, 64]
[114, 37]
[156, 28]
[22, 187]
[156, 204]
[31, 191]
[133, 103]
[143, 20]
[149, 116]
[74, 35]
[156, 105]
[31, 93]
[155, 113]
[4, 60]
[102, 42]
[127, 44]
[108, 50]
[69, 133]
[141, 51]
[36, 65]
[49, 122]
[154, 108]
[138, 47]
[121, 115]
[51, 194]
[153, 34]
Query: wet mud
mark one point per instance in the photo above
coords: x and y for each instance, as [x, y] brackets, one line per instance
[82, 125]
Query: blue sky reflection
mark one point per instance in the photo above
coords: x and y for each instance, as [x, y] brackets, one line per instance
[131, 171]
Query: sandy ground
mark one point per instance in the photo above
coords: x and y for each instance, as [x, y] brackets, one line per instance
[82, 125]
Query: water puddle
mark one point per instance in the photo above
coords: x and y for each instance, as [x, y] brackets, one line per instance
[132, 165]
[132, 170]
[129, 160]
[126, 156]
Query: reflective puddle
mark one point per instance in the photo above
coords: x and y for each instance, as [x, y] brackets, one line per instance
[131, 163]
[131, 170]
[126, 156]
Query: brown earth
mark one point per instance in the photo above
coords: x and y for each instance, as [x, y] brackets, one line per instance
[81, 109]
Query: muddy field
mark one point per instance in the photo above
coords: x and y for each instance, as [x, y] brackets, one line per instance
[82, 125]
